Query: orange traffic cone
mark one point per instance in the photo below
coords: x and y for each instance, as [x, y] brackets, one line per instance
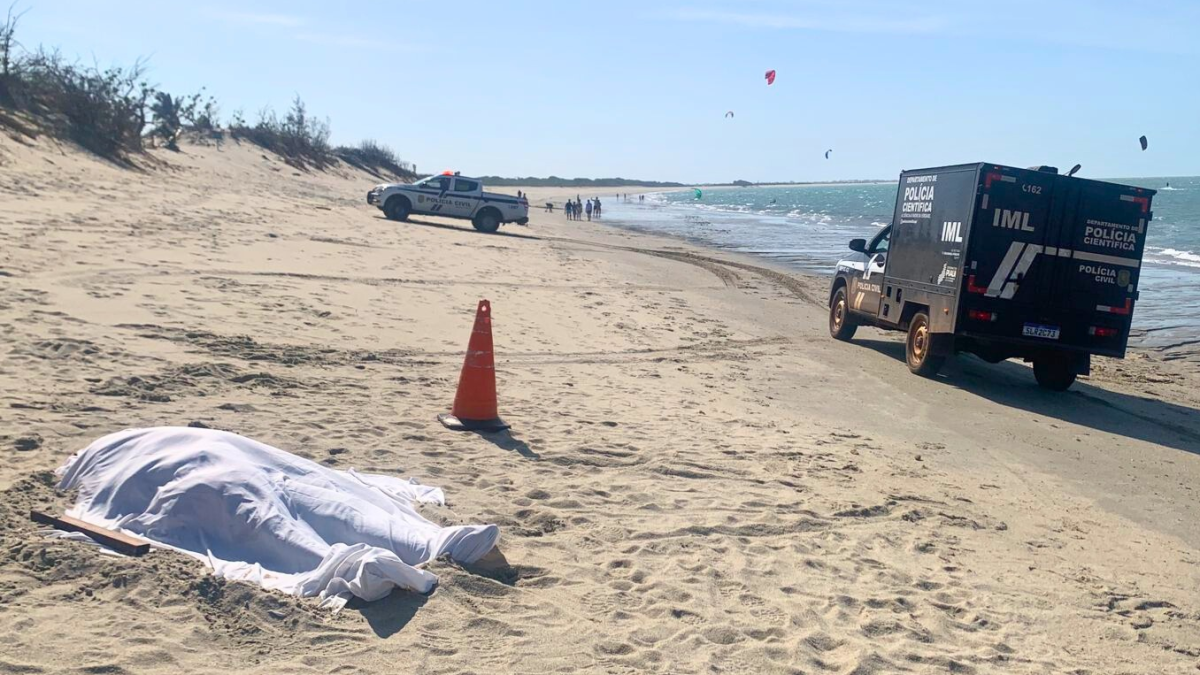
[475, 403]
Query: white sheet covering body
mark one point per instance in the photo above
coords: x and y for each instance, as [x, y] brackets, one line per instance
[259, 514]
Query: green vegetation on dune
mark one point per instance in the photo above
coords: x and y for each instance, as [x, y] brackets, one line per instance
[375, 158]
[116, 112]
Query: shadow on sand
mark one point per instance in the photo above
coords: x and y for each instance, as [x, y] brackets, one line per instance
[506, 441]
[1011, 384]
[494, 566]
[456, 228]
[391, 614]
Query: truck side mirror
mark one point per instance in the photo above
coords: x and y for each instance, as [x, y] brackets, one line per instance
[858, 245]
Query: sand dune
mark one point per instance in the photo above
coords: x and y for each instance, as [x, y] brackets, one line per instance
[698, 479]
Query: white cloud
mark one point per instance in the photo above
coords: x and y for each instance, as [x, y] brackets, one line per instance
[250, 18]
[1163, 27]
[285, 21]
[861, 22]
[353, 42]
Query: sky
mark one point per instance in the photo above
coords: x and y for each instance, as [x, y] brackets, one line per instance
[640, 89]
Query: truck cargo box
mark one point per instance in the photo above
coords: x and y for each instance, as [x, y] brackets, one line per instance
[1017, 260]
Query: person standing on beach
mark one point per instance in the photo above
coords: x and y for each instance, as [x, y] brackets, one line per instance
[588, 209]
[596, 209]
[569, 209]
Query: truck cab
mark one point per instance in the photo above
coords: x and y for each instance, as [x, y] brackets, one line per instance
[862, 271]
[1002, 263]
[452, 196]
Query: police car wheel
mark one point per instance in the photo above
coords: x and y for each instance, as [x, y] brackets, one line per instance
[918, 347]
[841, 324]
[1053, 373]
[486, 222]
[397, 208]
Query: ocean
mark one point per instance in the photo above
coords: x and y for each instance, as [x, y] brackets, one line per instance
[807, 228]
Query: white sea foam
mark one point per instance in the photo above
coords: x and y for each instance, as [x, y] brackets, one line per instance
[1171, 256]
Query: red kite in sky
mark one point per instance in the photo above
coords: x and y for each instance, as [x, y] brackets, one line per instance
[770, 77]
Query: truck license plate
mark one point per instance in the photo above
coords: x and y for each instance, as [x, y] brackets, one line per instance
[1038, 330]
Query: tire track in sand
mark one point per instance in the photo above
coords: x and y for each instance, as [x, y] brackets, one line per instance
[718, 267]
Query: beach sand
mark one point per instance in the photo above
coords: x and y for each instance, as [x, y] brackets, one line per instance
[698, 479]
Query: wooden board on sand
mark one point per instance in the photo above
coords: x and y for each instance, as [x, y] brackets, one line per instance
[117, 541]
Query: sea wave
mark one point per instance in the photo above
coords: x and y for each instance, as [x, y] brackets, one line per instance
[1172, 256]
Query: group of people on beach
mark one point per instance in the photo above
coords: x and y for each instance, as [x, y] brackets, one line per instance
[577, 210]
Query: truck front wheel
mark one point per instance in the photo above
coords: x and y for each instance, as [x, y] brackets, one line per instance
[397, 208]
[841, 324]
[1053, 372]
[486, 221]
[918, 350]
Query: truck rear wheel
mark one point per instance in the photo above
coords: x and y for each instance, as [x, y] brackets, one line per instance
[841, 324]
[1053, 372]
[397, 208]
[918, 347]
[486, 221]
